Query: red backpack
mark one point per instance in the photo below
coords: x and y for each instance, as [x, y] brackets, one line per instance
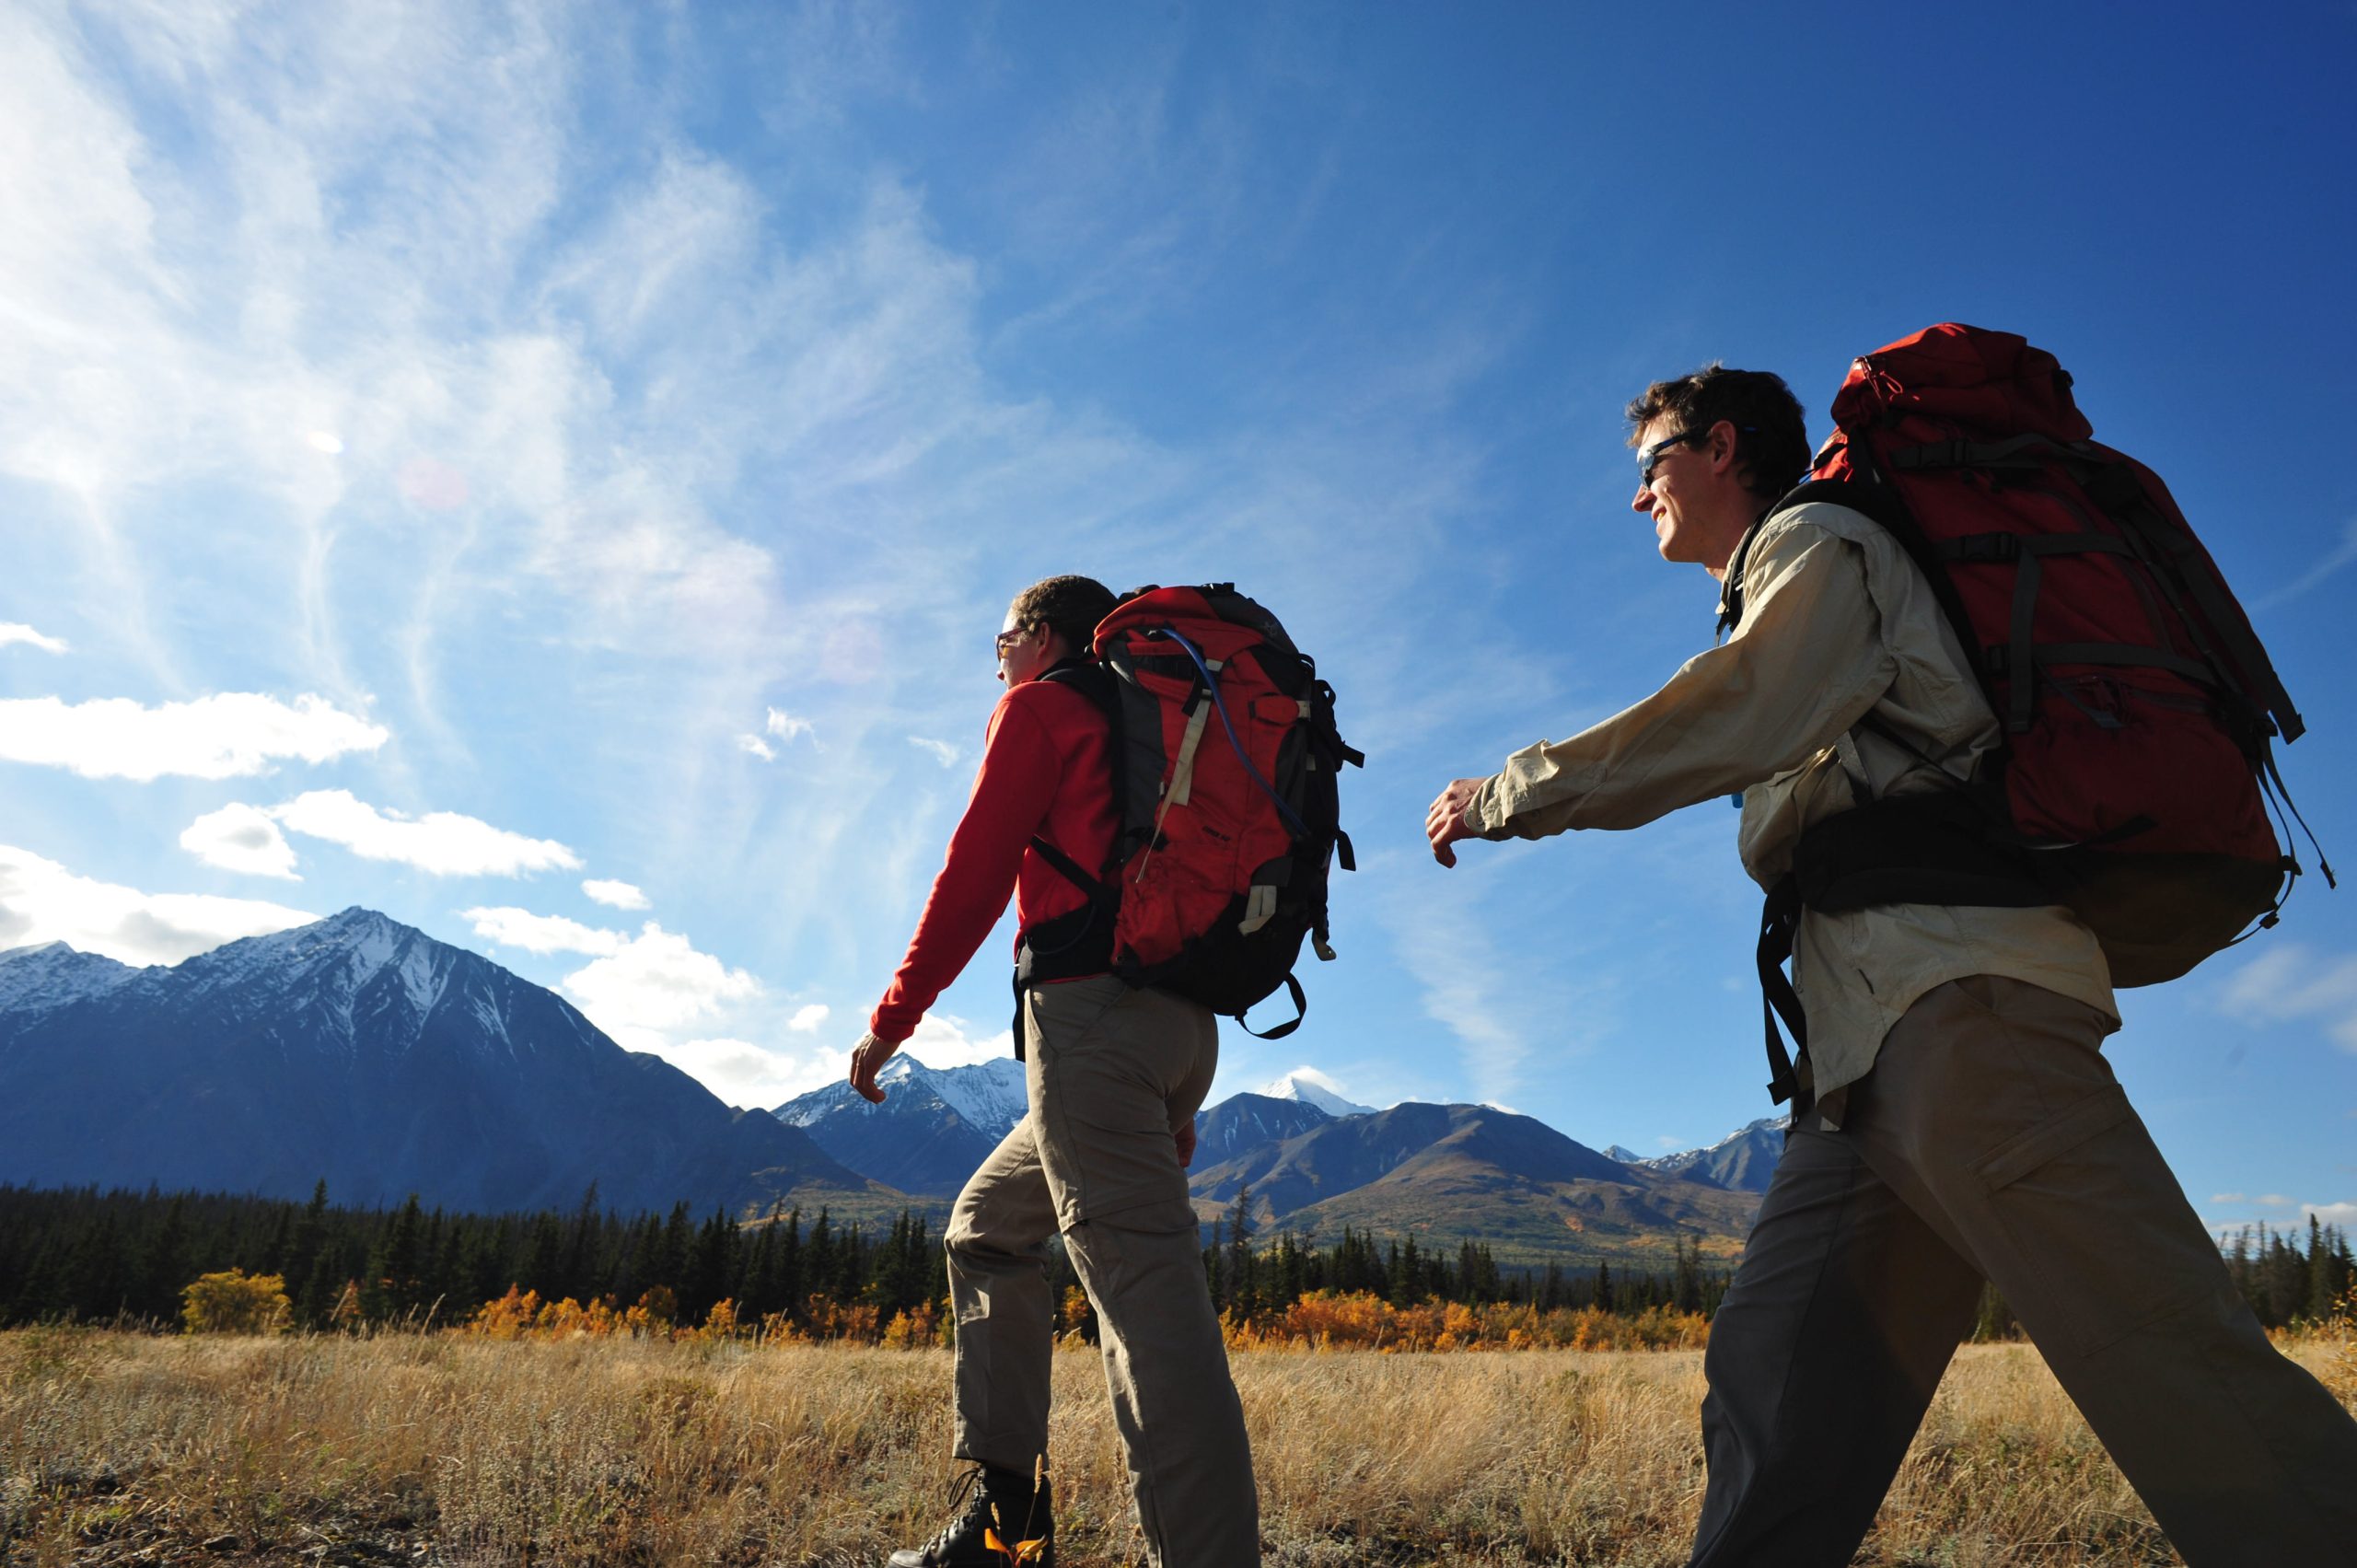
[1225, 765]
[2137, 703]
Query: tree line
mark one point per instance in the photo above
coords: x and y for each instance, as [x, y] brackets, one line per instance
[106, 1256]
[1251, 1277]
[125, 1255]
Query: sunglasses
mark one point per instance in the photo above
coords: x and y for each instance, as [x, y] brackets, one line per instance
[1649, 458]
[1006, 640]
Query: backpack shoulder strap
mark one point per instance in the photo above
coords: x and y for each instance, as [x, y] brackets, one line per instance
[1097, 683]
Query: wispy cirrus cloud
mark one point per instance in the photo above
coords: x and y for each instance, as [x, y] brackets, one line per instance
[941, 752]
[2337, 561]
[41, 900]
[13, 632]
[226, 735]
[444, 843]
[2295, 984]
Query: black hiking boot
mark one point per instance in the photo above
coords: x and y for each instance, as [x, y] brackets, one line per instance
[996, 1521]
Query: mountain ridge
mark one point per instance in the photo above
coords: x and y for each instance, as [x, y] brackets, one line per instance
[364, 1051]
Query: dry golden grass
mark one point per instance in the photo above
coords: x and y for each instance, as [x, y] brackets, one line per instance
[119, 1448]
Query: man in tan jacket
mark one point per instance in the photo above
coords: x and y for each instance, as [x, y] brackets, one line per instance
[1965, 1124]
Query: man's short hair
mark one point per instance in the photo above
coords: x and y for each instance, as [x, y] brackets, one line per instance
[1070, 607]
[1771, 438]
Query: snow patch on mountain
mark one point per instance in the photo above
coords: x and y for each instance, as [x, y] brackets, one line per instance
[1686, 1157]
[989, 1095]
[54, 975]
[1313, 1087]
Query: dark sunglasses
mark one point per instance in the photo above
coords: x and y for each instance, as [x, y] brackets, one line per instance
[1006, 640]
[1649, 458]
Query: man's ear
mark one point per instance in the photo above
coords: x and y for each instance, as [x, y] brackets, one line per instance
[1722, 446]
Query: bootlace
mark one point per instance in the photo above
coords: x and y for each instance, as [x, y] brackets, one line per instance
[966, 1498]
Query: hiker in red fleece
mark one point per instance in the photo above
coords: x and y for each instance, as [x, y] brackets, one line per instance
[1114, 1077]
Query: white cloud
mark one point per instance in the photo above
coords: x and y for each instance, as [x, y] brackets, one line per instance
[2337, 561]
[441, 843]
[615, 895]
[43, 902]
[806, 1020]
[220, 736]
[542, 933]
[240, 838]
[1667, 1143]
[943, 1040]
[746, 1074]
[785, 727]
[940, 750]
[13, 631]
[2343, 1214]
[2228, 1198]
[657, 981]
[757, 747]
[2292, 983]
[1323, 1079]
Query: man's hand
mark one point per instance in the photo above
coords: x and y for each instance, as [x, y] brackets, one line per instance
[1184, 1136]
[1445, 823]
[866, 1057]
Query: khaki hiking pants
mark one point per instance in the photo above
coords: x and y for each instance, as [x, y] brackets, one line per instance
[1110, 1072]
[1992, 1140]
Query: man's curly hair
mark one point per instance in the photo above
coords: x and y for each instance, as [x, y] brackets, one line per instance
[1071, 606]
[1771, 456]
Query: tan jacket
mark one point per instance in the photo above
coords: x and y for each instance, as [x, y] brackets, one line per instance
[1837, 623]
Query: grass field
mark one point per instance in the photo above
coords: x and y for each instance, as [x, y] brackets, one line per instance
[122, 1449]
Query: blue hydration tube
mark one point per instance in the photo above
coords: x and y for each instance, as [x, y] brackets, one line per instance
[1211, 684]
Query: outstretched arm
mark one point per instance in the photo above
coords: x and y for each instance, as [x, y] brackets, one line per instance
[1807, 662]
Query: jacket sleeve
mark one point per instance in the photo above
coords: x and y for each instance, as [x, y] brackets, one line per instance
[1013, 792]
[1805, 664]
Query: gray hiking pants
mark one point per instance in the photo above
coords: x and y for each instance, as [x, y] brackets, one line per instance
[1992, 1140]
[1110, 1073]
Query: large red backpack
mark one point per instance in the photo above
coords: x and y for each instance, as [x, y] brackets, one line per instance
[2137, 703]
[1225, 772]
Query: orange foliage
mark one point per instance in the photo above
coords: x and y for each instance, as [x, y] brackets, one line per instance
[1360, 1321]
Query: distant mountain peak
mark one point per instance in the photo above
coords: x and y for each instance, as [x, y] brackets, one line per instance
[1302, 1083]
[1741, 1161]
[35, 950]
[364, 1051]
[52, 974]
[934, 1126]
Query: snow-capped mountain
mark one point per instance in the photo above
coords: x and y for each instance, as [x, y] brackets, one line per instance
[1295, 1085]
[935, 1128]
[1625, 1155]
[365, 1052]
[46, 977]
[1740, 1162]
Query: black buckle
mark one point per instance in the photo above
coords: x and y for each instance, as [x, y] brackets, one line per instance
[1981, 548]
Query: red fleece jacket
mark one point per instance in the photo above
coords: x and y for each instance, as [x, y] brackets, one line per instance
[1044, 771]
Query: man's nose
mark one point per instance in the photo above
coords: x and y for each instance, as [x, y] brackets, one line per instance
[1645, 500]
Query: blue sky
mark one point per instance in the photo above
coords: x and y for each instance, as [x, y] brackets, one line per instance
[552, 474]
